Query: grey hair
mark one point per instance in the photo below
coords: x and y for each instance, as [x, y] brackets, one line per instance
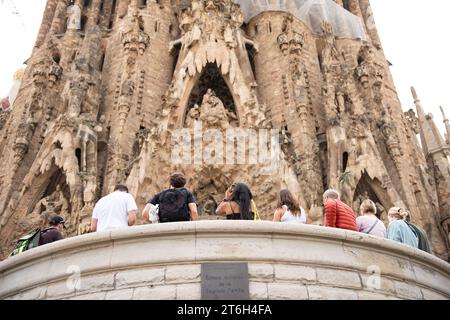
[332, 194]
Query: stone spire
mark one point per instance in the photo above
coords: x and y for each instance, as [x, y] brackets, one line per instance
[430, 136]
[447, 126]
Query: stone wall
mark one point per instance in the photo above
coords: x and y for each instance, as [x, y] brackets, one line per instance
[285, 262]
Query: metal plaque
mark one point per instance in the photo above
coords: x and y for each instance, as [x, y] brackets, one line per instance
[225, 281]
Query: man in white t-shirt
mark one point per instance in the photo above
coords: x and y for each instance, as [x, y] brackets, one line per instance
[114, 211]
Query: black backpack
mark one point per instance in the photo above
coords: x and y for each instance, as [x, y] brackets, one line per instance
[27, 242]
[173, 206]
[424, 244]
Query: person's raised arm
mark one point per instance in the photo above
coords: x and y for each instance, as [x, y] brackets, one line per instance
[222, 208]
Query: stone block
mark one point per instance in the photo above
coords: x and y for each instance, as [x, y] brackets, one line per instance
[432, 278]
[261, 271]
[182, 273]
[157, 250]
[96, 282]
[140, 277]
[82, 261]
[167, 292]
[258, 291]
[408, 291]
[90, 296]
[20, 278]
[329, 293]
[189, 291]
[287, 291]
[59, 289]
[295, 273]
[368, 295]
[125, 294]
[32, 294]
[432, 295]
[339, 278]
[382, 284]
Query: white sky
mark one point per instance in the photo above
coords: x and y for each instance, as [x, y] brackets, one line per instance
[414, 34]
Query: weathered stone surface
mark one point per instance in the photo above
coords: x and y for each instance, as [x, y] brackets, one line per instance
[432, 295]
[141, 277]
[59, 289]
[261, 271]
[91, 296]
[367, 295]
[339, 278]
[96, 282]
[155, 293]
[164, 278]
[258, 290]
[286, 291]
[190, 291]
[83, 123]
[182, 273]
[329, 293]
[408, 291]
[295, 273]
[124, 294]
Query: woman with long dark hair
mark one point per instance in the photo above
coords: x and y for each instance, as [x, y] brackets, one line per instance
[288, 209]
[237, 203]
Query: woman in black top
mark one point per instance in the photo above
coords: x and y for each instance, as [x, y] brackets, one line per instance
[237, 203]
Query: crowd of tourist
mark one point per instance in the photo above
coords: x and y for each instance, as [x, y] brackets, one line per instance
[176, 204]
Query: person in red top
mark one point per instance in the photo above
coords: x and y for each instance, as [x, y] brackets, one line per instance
[338, 214]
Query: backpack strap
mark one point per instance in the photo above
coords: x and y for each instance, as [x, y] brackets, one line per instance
[373, 226]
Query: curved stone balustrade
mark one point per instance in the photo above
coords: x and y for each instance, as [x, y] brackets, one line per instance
[285, 262]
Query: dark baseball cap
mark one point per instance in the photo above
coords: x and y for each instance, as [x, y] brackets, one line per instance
[57, 220]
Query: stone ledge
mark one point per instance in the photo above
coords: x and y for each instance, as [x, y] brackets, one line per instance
[129, 257]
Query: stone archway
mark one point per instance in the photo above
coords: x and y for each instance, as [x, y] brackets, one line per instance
[368, 188]
[212, 79]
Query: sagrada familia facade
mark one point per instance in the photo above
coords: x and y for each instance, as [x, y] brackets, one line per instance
[110, 82]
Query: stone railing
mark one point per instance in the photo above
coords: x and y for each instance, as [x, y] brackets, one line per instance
[285, 262]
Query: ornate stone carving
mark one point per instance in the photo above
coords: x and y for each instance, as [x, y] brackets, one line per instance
[134, 38]
[212, 112]
[53, 204]
[54, 73]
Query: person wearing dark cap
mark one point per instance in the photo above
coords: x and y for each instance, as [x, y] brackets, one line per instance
[53, 232]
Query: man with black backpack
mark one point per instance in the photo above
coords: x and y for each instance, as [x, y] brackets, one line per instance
[175, 204]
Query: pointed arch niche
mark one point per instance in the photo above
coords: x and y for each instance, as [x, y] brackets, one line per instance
[373, 190]
[210, 78]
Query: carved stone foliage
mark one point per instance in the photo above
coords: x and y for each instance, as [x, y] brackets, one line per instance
[290, 41]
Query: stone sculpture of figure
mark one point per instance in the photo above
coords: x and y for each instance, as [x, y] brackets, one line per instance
[212, 112]
[55, 203]
[193, 115]
[74, 17]
[329, 52]
[385, 125]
